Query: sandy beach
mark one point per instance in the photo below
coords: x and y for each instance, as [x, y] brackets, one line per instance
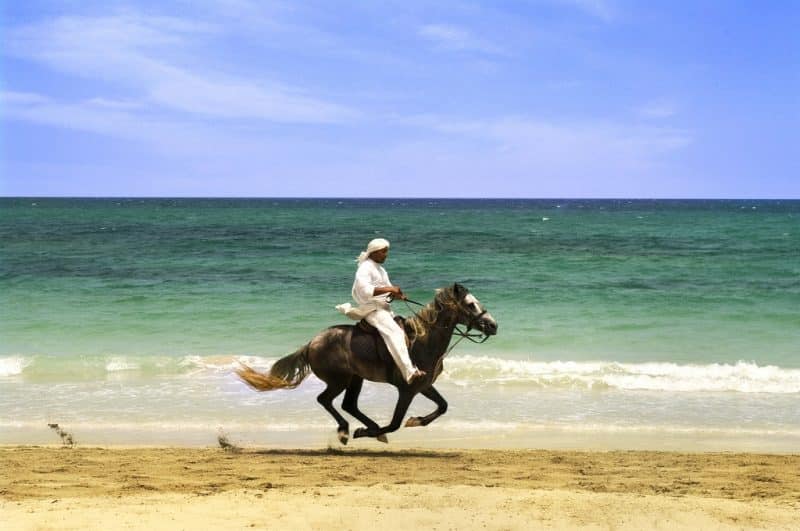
[184, 488]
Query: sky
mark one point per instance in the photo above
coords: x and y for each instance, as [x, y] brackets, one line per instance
[513, 99]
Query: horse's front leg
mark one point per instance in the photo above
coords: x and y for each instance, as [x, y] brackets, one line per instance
[350, 404]
[441, 408]
[403, 401]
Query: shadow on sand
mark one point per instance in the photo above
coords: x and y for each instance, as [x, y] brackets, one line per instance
[361, 452]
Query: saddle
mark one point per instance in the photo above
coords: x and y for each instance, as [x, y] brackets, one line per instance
[368, 328]
[365, 332]
[364, 326]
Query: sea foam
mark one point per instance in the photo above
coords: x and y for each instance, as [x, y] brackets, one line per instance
[742, 376]
[745, 377]
[13, 366]
[121, 364]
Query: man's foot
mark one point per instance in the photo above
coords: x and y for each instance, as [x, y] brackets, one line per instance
[416, 376]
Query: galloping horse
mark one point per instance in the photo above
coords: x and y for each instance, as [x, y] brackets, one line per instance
[344, 356]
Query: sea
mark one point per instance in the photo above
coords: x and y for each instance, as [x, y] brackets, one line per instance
[623, 324]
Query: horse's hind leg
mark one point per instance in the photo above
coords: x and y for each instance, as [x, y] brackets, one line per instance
[350, 404]
[441, 408]
[326, 397]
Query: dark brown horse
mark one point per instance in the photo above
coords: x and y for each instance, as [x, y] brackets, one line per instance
[344, 356]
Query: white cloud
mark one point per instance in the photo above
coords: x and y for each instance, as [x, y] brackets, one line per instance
[121, 119]
[602, 9]
[21, 98]
[585, 145]
[236, 98]
[564, 149]
[443, 157]
[657, 109]
[453, 38]
[142, 54]
[115, 104]
[151, 82]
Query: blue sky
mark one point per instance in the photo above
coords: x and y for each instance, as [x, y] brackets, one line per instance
[537, 98]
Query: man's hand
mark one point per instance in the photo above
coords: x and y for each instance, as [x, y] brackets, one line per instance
[393, 291]
[398, 293]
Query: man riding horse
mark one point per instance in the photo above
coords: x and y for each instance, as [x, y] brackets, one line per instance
[373, 291]
[343, 356]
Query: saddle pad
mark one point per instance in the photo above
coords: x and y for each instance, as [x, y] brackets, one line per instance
[368, 328]
[365, 334]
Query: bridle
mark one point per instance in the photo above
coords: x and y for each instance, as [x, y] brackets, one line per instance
[479, 337]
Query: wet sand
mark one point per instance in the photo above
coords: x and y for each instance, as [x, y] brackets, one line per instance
[159, 488]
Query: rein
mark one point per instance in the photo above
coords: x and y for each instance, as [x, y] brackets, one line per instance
[480, 337]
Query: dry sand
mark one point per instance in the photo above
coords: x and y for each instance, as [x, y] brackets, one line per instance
[185, 488]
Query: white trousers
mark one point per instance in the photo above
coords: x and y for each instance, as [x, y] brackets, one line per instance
[395, 340]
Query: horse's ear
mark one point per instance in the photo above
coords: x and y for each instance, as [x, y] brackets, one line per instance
[459, 291]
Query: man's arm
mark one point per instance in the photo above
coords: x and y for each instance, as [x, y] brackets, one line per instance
[395, 291]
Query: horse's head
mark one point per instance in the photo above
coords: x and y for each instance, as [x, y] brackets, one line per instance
[470, 312]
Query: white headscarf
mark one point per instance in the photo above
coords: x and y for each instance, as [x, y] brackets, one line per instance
[375, 245]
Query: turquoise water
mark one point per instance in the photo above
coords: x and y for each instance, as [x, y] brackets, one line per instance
[615, 316]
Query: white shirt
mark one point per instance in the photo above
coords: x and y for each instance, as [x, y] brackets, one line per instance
[370, 275]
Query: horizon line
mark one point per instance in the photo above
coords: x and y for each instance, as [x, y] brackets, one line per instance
[389, 198]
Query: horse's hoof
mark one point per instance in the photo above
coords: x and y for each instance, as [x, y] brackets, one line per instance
[413, 422]
[382, 438]
[360, 432]
[343, 437]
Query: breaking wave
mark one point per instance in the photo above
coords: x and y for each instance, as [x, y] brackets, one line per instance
[742, 376]
[745, 377]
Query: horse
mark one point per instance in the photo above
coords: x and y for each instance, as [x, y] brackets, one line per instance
[343, 356]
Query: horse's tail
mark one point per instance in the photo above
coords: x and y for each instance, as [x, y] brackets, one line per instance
[286, 373]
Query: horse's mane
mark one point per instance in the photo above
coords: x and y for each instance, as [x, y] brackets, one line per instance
[423, 320]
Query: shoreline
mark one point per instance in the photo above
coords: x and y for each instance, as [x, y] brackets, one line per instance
[440, 436]
[354, 488]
